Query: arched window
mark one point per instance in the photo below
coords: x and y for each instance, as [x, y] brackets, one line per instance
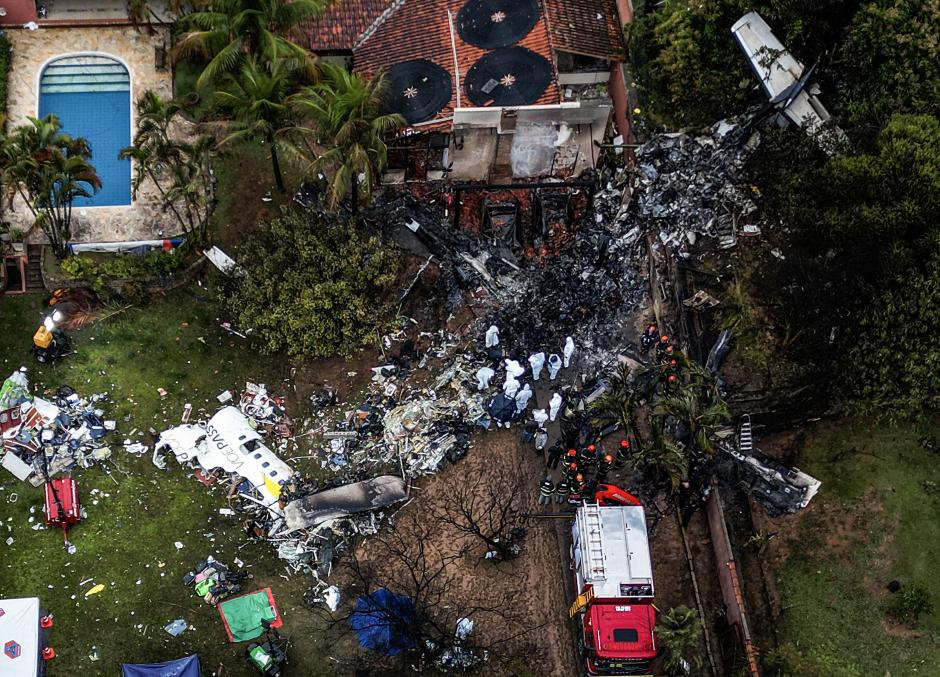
[91, 94]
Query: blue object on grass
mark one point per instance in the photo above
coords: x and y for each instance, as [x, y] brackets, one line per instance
[182, 667]
[381, 620]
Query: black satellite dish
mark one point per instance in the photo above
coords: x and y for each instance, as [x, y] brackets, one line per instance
[512, 76]
[418, 89]
[490, 24]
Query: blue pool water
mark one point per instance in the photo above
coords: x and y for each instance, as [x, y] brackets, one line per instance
[91, 96]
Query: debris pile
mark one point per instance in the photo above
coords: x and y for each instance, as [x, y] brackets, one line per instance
[214, 581]
[45, 437]
[691, 184]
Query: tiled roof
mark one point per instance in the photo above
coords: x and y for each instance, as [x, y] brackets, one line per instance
[420, 29]
[342, 24]
[589, 27]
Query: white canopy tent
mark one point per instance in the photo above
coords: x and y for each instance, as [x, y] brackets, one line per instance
[20, 638]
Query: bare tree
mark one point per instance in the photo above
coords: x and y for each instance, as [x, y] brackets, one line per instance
[488, 506]
[406, 562]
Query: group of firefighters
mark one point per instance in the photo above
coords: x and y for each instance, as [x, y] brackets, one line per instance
[586, 466]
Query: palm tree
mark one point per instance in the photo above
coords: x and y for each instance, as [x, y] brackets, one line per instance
[701, 419]
[257, 98]
[48, 170]
[180, 170]
[619, 403]
[661, 459]
[345, 111]
[229, 32]
[678, 630]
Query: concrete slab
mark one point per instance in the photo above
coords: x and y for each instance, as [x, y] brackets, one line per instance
[473, 161]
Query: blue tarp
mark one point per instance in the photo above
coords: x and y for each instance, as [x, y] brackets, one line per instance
[182, 667]
[380, 621]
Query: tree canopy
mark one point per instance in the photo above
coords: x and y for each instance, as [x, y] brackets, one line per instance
[315, 286]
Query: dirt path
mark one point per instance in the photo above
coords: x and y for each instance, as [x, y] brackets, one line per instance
[541, 567]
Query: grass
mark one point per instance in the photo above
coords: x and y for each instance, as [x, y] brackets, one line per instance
[878, 520]
[134, 519]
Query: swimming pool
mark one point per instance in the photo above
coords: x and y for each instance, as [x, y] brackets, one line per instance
[91, 94]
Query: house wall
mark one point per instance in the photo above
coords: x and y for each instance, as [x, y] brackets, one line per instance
[31, 50]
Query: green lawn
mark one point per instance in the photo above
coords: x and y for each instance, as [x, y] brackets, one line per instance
[875, 522]
[127, 541]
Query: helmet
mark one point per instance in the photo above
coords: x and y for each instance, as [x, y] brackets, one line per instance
[579, 477]
[624, 444]
[608, 458]
[573, 466]
[664, 339]
[669, 350]
[572, 452]
[672, 378]
[592, 448]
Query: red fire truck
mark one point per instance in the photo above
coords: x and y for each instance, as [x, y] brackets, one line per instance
[613, 578]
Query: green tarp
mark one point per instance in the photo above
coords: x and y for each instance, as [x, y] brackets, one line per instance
[242, 615]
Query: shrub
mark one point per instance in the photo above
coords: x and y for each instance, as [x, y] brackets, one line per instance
[130, 267]
[315, 286]
[911, 602]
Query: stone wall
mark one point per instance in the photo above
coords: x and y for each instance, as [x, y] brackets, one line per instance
[144, 218]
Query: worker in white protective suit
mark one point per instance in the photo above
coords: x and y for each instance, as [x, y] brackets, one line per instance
[513, 367]
[484, 376]
[523, 397]
[540, 416]
[536, 362]
[511, 386]
[554, 366]
[568, 351]
[492, 336]
[554, 405]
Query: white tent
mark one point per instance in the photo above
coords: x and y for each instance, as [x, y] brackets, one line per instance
[19, 637]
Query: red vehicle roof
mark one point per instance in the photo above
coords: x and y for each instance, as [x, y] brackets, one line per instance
[622, 630]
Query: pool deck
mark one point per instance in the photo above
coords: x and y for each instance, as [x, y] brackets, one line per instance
[144, 218]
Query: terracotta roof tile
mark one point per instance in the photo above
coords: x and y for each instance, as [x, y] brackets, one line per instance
[576, 28]
[419, 29]
[342, 24]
